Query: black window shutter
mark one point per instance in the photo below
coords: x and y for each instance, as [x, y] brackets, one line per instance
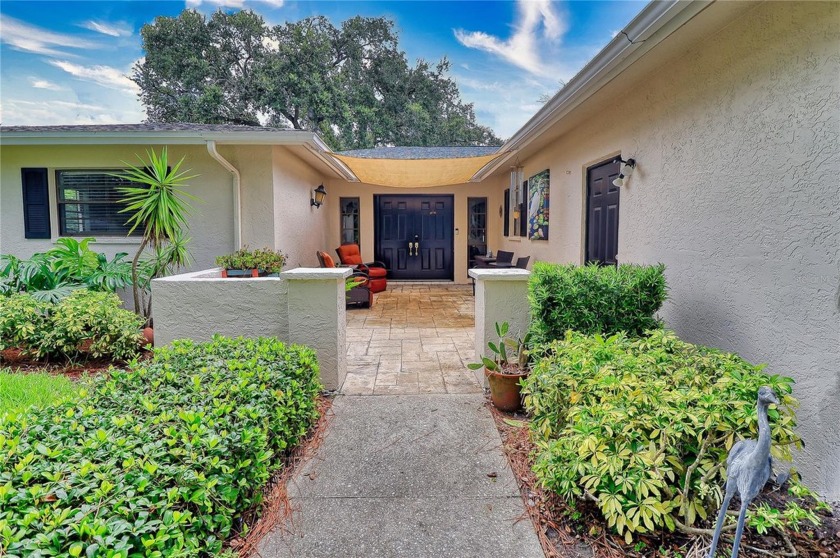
[523, 211]
[507, 212]
[36, 203]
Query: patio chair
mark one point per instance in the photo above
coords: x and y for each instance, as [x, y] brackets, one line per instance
[360, 294]
[504, 257]
[522, 263]
[349, 254]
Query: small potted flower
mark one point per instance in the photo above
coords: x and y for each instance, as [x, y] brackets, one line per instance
[251, 263]
[505, 372]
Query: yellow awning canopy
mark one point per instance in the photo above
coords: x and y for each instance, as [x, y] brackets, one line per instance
[414, 173]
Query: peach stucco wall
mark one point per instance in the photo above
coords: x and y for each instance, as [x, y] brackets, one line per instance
[736, 191]
[300, 229]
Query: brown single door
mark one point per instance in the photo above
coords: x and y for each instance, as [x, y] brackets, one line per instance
[602, 213]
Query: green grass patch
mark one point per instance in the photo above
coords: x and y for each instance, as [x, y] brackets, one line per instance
[18, 391]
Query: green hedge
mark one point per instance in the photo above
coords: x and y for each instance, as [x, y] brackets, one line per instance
[644, 425]
[158, 460]
[85, 323]
[594, 299]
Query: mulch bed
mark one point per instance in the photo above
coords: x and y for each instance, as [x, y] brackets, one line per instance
[276, 510]
[13, 360]
[578, 531]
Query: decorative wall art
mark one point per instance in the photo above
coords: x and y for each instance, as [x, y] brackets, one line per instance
[538, 206]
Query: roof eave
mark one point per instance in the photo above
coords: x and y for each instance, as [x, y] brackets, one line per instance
[308, 140]
[655, 22]
[170, 137]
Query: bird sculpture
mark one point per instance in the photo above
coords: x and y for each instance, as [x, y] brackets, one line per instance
[748, 467]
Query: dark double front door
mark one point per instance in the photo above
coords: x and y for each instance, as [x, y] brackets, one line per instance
[602, 214]
[414, 235]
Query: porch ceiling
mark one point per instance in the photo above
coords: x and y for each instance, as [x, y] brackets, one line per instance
[414, 173]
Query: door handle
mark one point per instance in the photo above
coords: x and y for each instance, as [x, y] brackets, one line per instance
[411, 246]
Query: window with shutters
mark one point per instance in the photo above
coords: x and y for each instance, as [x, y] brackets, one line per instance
[89, 203]
[36, 203]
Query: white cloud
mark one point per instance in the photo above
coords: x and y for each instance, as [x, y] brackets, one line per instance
[231, 3]
[101, 75]
[17, 112]
[29, 38]
[39, 83]
[117, 29]
[503, 104]
[536, 19]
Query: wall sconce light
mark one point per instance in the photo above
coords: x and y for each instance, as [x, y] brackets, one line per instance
[626, 170]
[319, 195]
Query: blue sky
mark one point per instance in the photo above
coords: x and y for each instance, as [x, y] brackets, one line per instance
[68, 62]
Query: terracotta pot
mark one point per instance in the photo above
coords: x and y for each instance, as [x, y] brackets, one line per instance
[148, 336]
[504, 390]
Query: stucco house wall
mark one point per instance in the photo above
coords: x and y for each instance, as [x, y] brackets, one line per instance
[256, 192]
[301, 229]
[736, 191]
[210, 225]
[275, 189]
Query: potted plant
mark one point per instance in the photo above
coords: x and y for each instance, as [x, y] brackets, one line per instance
[503, 372]
[251, 263]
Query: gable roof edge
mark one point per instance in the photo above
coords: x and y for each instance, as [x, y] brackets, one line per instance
[654, 23]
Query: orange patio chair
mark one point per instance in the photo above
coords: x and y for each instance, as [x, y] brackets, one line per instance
[361, 293]
[349, 254]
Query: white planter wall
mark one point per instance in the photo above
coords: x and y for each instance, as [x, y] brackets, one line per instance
[304, 306]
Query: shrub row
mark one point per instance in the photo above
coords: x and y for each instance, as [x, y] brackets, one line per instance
[594, 299]
[70, 266]
[158, 460]
[85, 323]
[643, 426]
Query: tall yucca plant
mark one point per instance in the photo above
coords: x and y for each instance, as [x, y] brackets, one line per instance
[158, 205]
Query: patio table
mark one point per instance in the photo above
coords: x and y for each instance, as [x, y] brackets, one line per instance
[484, 261]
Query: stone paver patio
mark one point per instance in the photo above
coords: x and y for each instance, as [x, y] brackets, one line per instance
[417, 338]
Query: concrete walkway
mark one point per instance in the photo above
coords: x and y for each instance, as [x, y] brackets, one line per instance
[406, 476]
[416, 470]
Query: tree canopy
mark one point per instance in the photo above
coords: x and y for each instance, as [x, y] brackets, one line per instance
[352, 84]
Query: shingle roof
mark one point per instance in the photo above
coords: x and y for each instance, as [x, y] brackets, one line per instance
[421, 152]
[143, 127]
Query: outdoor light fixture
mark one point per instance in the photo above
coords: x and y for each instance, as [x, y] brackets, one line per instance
[319, 195]
[626, 170]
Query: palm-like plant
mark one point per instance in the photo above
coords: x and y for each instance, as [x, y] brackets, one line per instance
[157, 203]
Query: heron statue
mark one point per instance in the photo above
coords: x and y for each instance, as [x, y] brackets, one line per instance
[748, 467]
